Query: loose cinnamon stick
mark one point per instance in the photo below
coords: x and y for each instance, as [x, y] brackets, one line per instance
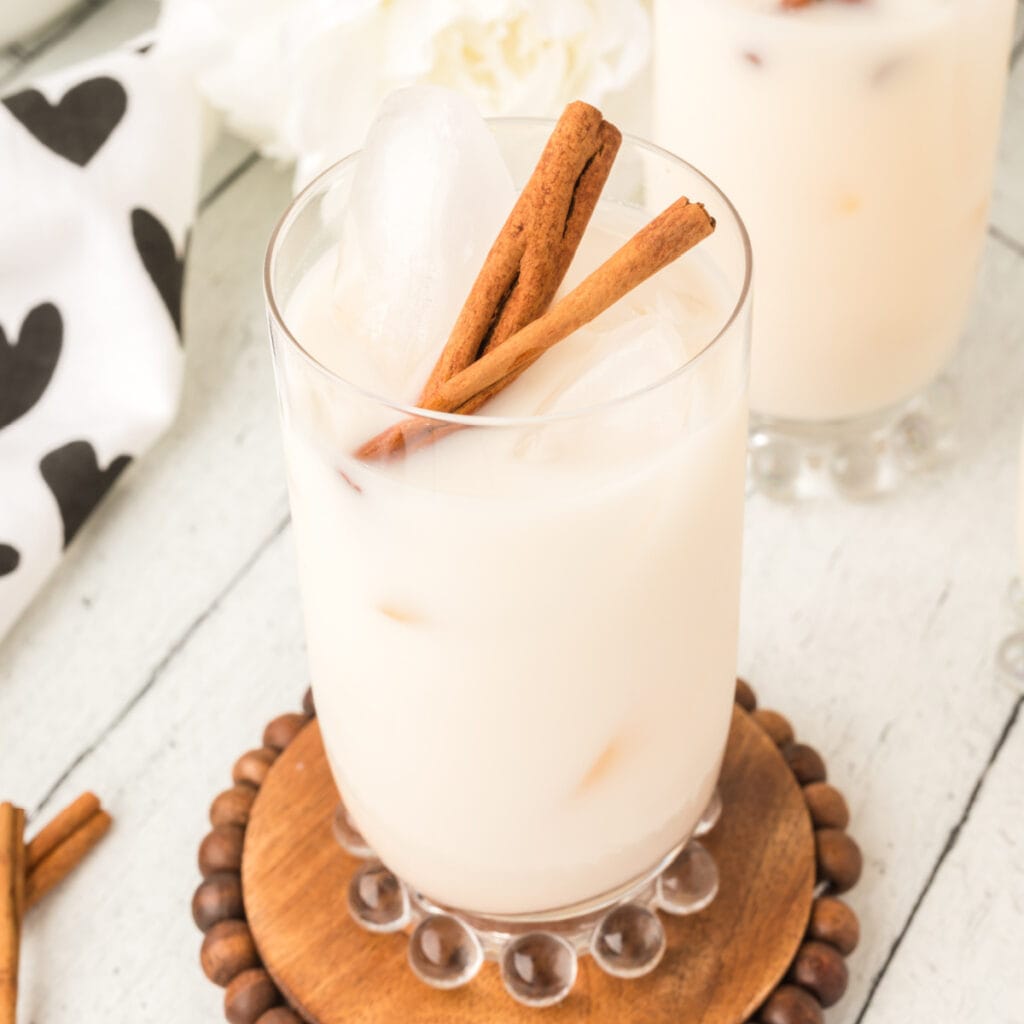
[532, 253]
[12, 905]
[63, 859]
[51, 835]
[654, 247]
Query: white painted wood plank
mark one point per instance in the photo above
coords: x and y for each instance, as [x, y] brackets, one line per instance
[874, 627]
[9, 60]
[228, 155]
[97, 28]
[20, 48]
[176, 528]
[117, 942]
[964, 958]
[1008, 197]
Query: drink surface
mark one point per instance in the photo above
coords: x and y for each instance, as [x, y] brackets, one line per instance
[522, 639]
[643, 338]
[858, 142]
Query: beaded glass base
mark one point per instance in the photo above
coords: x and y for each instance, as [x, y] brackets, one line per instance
[538, 960]
[858, 458]
[770, 947]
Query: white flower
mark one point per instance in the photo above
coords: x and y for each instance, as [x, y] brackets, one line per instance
[303, 78]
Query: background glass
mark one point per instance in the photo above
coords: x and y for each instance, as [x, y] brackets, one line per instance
[858, 141]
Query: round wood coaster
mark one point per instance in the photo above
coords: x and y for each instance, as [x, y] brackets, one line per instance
[272, 848]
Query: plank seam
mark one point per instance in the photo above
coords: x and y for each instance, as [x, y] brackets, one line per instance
[1008, 240]
[60, 31]
[220, 187]
[947, 849]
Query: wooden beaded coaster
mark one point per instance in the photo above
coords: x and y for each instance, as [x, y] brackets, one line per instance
[769, 949]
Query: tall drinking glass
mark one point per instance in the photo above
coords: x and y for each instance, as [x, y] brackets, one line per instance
[858, 140]
[522, 638]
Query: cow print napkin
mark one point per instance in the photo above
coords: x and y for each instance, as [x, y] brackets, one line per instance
[98, 182]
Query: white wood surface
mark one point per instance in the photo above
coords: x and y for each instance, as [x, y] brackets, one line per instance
[172, 634]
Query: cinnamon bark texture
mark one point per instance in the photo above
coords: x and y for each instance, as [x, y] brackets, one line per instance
[65, 857]
[532, 253]
[51, 835]
[12, 904]
[678, 229]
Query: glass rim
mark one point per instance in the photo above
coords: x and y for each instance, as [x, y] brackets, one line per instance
[300, 201]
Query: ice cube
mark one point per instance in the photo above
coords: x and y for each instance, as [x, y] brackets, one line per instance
[621, 361]
[593, 367]
[430, 195]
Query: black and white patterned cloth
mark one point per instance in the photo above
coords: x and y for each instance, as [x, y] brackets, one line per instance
[98, 186]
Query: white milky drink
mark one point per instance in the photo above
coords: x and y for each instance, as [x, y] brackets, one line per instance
[857, 138]
[522, 638]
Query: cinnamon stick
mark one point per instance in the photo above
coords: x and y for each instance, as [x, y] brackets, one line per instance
[27, 873]
[530, 257]
[51, 835]
[64, 858]
[663, 240]
[12, 906]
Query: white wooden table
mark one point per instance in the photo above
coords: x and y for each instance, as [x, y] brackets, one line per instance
[172, 634]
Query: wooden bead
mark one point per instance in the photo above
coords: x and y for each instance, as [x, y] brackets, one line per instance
[834, 922]
[249, 996]
[282, 730]
[280, 1015]
[789, 1004]
[827, 806]
[218, 898]
[228, 949]
[232, 807]
[804, 762]
[252, 767]
[221, 850]
[839, 858]
[307, 702]
[819, 967]
[777, 727]
[745, 696]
